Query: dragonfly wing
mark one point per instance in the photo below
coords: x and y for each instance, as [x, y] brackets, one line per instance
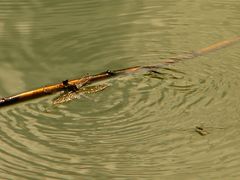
[93, 89]
[65, 97]
[71, 95]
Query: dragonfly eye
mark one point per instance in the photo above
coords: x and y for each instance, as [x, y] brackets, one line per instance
[69, 87]
[65, 83]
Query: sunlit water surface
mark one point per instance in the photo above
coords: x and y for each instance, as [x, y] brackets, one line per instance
[141, 126]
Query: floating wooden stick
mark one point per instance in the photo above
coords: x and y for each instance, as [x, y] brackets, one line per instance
[86, 80]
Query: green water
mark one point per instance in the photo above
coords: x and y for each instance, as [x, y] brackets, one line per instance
[140, 127]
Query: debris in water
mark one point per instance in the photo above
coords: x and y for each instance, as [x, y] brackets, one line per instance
[201, 131]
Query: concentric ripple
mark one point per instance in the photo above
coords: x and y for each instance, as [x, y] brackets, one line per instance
[141, 125]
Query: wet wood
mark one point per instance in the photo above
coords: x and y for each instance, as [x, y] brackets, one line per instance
[86, 80]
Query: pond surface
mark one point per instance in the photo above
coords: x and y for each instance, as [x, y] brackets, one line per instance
[140, 126]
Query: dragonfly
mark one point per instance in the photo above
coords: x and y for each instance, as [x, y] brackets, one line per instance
[72, 92]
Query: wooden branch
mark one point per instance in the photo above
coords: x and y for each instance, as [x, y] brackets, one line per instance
[86, 80]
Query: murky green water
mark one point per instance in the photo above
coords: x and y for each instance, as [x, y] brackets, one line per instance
[140, 127]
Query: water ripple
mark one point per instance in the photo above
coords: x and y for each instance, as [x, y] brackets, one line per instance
[141, 126]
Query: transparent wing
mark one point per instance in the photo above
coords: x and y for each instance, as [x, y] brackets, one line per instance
[71, 95]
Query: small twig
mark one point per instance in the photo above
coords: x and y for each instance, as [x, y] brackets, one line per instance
[86, 80]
